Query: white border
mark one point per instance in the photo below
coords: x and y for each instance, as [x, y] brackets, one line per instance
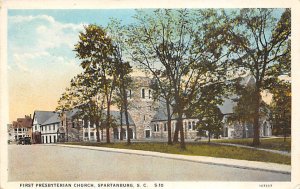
[122, 4]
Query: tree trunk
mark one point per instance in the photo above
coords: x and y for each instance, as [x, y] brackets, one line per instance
[256, 141]
[208, 136]
[97, 130]
[180, 125]
[126, 111]
[169, 122]
[108, 122]
[175, 137]
[121, 124]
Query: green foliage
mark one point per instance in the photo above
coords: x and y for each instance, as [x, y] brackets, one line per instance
[281, 107]
[174, 45]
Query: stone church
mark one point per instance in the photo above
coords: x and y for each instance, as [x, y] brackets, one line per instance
[147, 120]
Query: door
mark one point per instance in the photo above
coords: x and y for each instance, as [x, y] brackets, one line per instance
[147, 133]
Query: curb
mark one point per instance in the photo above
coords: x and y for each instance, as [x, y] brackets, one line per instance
[242, 164]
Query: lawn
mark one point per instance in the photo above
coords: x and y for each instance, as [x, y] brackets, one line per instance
[267, 143]
[196, 149]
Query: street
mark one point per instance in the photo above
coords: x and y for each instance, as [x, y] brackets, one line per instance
[56, 163]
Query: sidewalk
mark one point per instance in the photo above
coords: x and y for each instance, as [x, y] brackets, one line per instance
[262, 149]
[244, 164]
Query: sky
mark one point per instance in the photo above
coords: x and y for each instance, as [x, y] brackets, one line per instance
[41, 60]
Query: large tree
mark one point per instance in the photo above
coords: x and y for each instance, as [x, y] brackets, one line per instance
[117, 33]
[262, 48]
[96, 51]
[178, 44]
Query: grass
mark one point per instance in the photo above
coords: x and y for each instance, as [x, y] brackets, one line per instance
[266, 143]
[196, 149]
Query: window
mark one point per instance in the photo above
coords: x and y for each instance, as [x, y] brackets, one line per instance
[130, 94]
[35, 127]
[156, 127]
[165, 126]
[53, 127]
[41, 128]
[190, 126]
[50, 139]
[193, 125]
[73, 124]
[86, 134]
[92, 134]
[54, 139]
[143, 93]
[149, 94]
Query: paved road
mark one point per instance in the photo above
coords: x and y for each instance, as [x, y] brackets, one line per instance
[56, 163]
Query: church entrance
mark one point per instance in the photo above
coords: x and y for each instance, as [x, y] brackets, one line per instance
[147, 133]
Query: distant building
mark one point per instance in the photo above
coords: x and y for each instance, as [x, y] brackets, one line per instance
[20, 128]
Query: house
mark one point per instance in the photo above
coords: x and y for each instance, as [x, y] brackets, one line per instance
[39, 118]
[49, 129]
[20, 128]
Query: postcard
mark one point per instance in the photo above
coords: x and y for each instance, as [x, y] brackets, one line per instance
[160, 94]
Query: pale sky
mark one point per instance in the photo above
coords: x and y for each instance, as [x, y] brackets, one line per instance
[41, 60]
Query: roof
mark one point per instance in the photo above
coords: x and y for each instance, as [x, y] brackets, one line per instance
[22, 122]
[248, 80]
[228, 105]
[42, 116]
[116, 115]
[72, 112]
[53, 119]
[161, 114]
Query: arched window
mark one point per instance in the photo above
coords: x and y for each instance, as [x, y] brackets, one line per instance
[143, 93]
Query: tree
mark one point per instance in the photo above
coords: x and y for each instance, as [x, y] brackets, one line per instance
[123, 69]
[83, 94]
[281, 108]
[205, 109]
[211, 121]
[262, 49]
[162, 92]
[96, 51]
[174, 43]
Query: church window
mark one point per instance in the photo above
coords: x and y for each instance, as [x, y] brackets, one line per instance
[143, 93]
